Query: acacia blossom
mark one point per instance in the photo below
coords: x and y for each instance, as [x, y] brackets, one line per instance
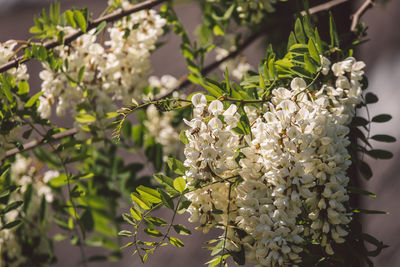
[293, 167]
[94, 75]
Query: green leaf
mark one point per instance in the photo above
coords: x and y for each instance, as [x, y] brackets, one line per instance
[381, 118]
[138, 134]
[80, 20]
[136, 214]
[127, 245]
[69, 16]
[87, 220]
[12, 224]
[213, 87]
[308, 27]
[101, 27]
[153, 232]
[371, 98]
[42, 53]
[33, 99]
[128, 218]
[312, 49]
[85, 118]
[143, 204]
[23, 87]
[176, 166]
[182, 230]
[356, 190]
[292, 40]
[183, 205]
[384, 138]
[125, 233]
[218, 31]
[357, 210]
[360, 121]
[180, 184]
[175, 241]
[156, 221]
[59, 237]
[183, 138]
[309, 64]
[298, 30]
[333, 32]
[379, 154]
[166, 199]
[59, 181]
[166, 181]
[12, 206]
[149, 194]
[318, 42]
[365, 169]
[80, 74]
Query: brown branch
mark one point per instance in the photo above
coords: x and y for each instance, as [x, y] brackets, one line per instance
[360, 12]
[183, 82]
[39, 141]
[206, 70]
[323, 7]
[91, 25]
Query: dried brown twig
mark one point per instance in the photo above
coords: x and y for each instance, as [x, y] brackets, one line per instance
[360, 12]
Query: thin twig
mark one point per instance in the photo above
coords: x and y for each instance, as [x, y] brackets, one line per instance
[227, 225]
[206, 70]
[183, 82]
[360, 12]
[82, 250]
[39, 141]
[91, 25]
[323, 7]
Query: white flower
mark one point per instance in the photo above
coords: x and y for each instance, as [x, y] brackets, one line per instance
[325, 65]
[199, 101]
[216, 107]
[298, 84]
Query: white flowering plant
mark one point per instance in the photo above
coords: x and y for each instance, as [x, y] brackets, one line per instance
[269, 155]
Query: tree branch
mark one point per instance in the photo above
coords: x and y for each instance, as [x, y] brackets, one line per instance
[360, 12]
[39, 141]
[91, 25]
[323, 7]
[183, 81]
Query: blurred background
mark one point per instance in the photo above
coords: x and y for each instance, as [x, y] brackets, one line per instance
[382, 56]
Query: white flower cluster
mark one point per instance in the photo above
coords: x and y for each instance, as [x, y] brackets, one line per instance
[251, 10]
[117, 70]
[160, 125]
[210, 158]
[19, 74]
[293, 166]
[237, 66]
[24, 174]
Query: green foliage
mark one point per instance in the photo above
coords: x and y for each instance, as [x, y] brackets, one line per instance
[89, 199]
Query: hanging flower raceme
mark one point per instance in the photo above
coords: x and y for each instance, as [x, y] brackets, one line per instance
[292, 167]
[95, 75]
